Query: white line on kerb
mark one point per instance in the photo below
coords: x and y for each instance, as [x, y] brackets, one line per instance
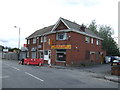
[16, 68]
[34, 76]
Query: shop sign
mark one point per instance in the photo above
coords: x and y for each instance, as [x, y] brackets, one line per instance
[61, 47]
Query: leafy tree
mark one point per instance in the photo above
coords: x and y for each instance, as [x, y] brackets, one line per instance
[108, 43]
[105, 32]
[93, 26]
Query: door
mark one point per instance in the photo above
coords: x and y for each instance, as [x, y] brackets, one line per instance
[47, 55]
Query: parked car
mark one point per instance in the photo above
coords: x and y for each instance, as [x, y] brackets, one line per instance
[30, 61]
[115, 61]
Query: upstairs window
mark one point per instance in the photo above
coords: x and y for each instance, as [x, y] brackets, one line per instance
[28, 41]
[92, 41]
[41, 39]
[34, 40]
[87, 39]
[45, 38]
[61, 36]
[98, 42]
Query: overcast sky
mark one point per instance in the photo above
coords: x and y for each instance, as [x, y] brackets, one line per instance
[31, 15]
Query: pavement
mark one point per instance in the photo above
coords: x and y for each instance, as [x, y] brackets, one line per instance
[94, 71]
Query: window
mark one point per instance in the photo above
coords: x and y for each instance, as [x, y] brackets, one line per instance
[61, 55]
[61, 36]
[97, 55]
[45, 52]
[45, 39]
[34, 40]
[28, 41]
[42, 39]
[27, 54]
[87, 39]
[98, 42]
[92, 40]
[41, 54]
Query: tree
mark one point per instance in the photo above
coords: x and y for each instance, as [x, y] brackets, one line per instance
[108, 42]
[93, 26]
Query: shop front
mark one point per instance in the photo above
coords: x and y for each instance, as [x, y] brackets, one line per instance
[61, 53]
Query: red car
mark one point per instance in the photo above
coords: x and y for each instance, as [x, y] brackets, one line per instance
[29, 61]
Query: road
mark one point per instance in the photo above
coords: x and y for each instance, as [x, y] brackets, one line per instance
[29, 76]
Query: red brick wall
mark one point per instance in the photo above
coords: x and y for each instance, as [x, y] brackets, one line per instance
[76, 54]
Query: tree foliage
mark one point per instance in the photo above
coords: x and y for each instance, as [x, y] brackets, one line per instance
[108, 42]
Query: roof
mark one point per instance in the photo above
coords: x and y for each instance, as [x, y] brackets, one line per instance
[71, 25]
[41, 31]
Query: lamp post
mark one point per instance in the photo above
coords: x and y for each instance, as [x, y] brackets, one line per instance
[18, 41]
[19, 37]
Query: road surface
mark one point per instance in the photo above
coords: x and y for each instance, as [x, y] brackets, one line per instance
[29, 76]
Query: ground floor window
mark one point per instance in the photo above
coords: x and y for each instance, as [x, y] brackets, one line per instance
[41, 54]
[61, 55]
[33, 54]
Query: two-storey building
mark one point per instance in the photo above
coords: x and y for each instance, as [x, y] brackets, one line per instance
[65, 43]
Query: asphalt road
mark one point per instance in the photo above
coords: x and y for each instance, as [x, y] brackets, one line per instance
[29, 76]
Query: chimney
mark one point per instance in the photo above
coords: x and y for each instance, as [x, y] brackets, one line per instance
[82, 28]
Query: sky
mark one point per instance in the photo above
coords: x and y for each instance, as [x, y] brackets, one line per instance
[31, 15]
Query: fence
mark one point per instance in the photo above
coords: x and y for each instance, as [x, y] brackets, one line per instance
[10, 56]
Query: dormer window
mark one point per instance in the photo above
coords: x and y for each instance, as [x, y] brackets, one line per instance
[61, 36]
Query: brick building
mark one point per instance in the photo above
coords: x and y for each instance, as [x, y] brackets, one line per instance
[65, 43]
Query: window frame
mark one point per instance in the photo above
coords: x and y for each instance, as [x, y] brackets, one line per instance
[92, 40]
[34, 40]
[64, 36]
[87, 39]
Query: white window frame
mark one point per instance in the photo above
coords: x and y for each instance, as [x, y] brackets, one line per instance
[87, 39]
[42, 39]
[28, 41]
[64, 36]
[34, 40]
[92, 40]
[45, 38]
[98, 42]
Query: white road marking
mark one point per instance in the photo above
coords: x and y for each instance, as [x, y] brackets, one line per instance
[16, 68]
[4, 76]
[34, 76]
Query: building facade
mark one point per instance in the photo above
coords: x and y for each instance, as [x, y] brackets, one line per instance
[65, 43]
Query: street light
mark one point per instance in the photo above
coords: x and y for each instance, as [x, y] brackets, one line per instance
[19, 36]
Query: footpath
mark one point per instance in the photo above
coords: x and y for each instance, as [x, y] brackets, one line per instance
[102, 71]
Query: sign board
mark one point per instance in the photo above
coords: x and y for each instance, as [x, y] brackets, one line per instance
[61, 47]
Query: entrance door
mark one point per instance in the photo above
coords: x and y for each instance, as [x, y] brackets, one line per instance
[47, 55]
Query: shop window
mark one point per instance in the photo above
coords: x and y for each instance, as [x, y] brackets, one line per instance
[61, 55]
[87, 39]
[61, 36]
